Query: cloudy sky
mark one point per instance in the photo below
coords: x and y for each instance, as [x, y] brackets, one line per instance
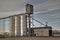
[44, 10]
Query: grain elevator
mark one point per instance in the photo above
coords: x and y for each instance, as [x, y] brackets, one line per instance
[18, 25]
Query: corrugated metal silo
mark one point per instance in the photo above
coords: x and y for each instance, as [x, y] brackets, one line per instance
[12, 26]
[23, 23]
[17, 25]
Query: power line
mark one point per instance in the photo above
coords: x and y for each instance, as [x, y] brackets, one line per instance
[37, 21]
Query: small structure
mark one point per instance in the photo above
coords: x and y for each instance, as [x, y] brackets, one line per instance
[56, 33]
[42, 31]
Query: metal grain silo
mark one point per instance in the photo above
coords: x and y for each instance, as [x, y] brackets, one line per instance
[20, 25]
[23, 26]
[12, 26]
[17, 25]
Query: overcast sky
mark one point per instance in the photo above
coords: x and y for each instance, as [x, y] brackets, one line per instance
[44, 10]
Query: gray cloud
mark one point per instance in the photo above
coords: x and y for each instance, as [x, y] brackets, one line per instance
[49, 5]
[11, 7]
